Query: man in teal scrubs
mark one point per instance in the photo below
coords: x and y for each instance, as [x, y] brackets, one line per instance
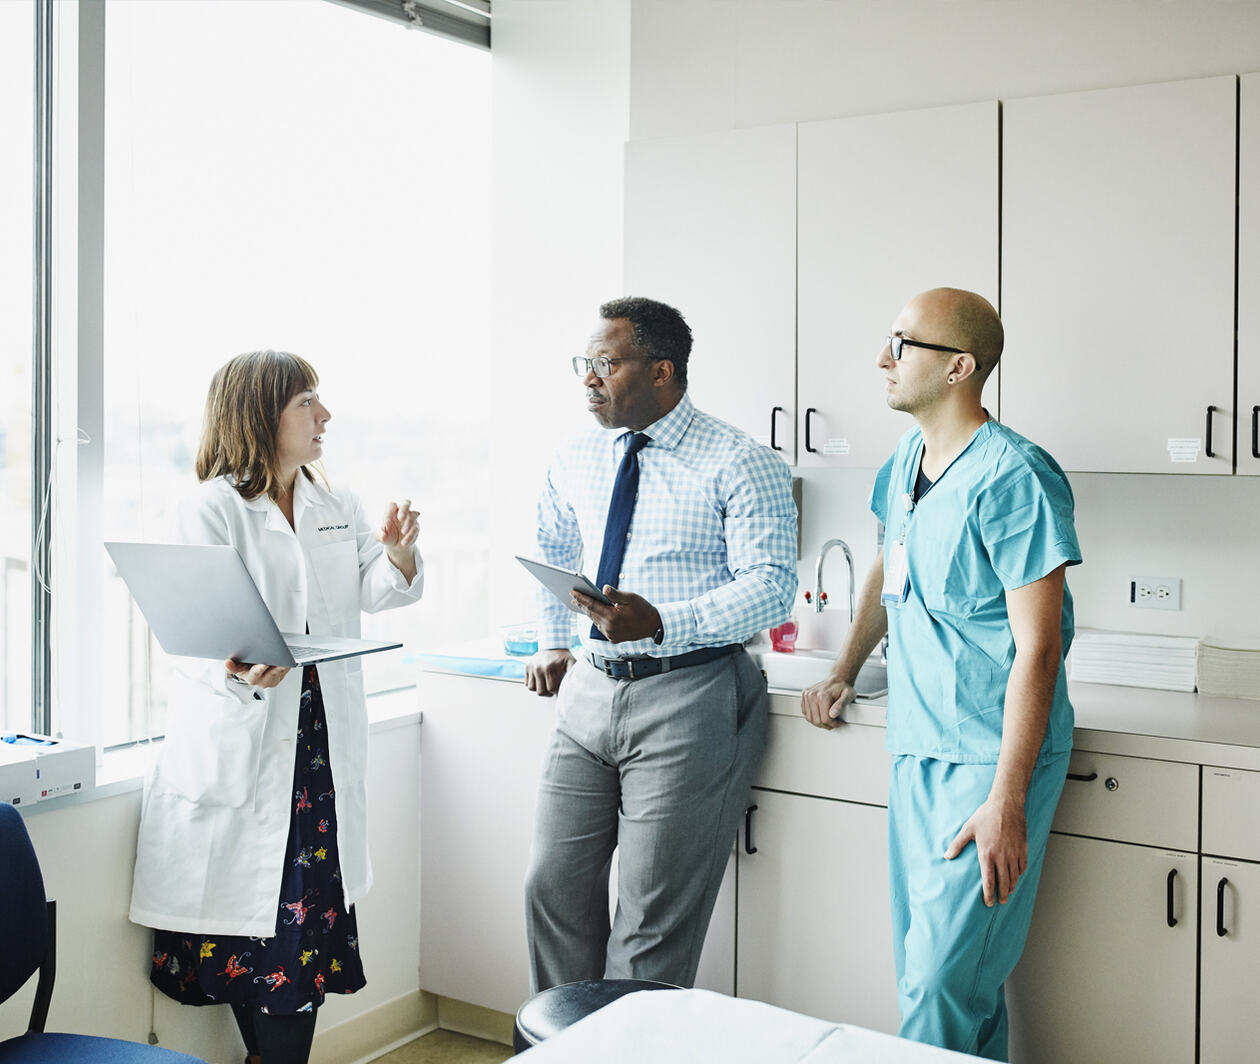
[969, 586]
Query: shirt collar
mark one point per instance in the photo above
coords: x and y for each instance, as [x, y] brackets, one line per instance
[666, 431]
[305, 493]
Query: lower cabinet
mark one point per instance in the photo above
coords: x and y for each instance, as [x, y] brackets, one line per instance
[1108, 972]
[814, 932]
[1136, 948]
[1139, 931]
[481, 750]
[481, 747]
[1109, 968]
[1229, 1024]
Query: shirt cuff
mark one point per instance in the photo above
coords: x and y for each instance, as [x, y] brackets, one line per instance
[678, 622]
[396, 579]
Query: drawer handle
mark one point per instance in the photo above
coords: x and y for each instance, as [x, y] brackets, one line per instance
[814, 450]
[1207, 449]
[1083, 778]
[774, 424]
[1221, 929]
[1172, 920]
[749, 848]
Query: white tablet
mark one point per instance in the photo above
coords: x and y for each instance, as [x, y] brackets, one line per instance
[560, 581]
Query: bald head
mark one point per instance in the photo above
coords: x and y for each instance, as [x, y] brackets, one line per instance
[963, 319]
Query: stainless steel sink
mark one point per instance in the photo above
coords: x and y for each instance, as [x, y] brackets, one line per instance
[872, 680]
[804, 668]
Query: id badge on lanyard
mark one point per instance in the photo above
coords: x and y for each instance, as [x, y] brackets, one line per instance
[896, 587]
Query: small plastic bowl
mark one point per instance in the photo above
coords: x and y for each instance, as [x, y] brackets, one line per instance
[520, 640]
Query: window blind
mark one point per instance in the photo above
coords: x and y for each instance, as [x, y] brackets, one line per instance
[467, 21]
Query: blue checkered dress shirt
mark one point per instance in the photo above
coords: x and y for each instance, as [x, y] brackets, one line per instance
[712, 543]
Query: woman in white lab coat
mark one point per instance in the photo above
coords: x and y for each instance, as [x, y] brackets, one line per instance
[249, 859]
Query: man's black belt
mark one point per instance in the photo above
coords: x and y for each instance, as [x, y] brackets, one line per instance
[639, 668]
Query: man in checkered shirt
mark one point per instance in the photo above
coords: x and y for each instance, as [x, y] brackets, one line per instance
[661, 715]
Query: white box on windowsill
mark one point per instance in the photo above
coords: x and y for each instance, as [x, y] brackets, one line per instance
[55, 766]
[64, 768]
[17, 775]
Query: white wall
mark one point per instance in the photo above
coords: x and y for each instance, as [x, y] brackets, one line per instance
[87, 853]
[569, 87]
[561, 119]
[726, 64]
[702, 65]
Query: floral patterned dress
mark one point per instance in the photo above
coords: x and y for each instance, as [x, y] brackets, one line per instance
[315, 950]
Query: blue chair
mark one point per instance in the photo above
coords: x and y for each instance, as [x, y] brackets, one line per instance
[29, 944]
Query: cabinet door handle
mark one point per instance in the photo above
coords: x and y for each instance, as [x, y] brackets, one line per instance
[1172, 920]
[1083, 778]
[1221, 929]
[1255, 431]
[814, 450]
[1207, 448]
[749, 848]
[774, 424]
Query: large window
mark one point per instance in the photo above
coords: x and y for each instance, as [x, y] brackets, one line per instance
[17, 35]
[294, 175]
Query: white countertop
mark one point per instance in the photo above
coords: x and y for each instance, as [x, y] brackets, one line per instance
[1132, 721]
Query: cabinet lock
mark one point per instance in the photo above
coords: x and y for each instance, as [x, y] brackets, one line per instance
[1111, 783]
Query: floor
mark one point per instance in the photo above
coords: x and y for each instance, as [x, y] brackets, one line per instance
[447, 1047]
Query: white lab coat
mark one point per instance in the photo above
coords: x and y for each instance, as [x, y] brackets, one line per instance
[216, 810]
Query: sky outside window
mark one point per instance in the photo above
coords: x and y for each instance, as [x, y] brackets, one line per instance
[297, 175]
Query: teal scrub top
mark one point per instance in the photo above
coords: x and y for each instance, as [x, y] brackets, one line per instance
[998, 518]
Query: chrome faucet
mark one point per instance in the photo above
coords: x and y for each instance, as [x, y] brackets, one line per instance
[819, 597]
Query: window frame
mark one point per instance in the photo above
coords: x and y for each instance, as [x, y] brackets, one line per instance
[71, 366]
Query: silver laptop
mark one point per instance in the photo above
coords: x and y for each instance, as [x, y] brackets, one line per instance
[201, 602]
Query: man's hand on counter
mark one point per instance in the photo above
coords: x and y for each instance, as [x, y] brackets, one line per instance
[823, 703]
[546, 669]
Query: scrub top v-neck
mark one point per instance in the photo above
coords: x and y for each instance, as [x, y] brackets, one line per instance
[999, 517]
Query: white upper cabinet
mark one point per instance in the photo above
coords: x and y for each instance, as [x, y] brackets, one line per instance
[889, 205]
[1249, 276]
[1118, 276]
[711, 229]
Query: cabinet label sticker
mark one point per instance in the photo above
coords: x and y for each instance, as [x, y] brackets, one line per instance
[836, 445]
[1184, 450]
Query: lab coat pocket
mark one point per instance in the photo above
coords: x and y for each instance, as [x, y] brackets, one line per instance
[212, 752]
[336, 568]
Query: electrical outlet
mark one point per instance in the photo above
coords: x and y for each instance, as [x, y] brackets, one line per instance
[1155, 592]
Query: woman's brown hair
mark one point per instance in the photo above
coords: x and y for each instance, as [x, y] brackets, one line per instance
[238, 436]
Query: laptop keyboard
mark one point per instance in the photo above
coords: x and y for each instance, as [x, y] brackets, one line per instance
[303, 652]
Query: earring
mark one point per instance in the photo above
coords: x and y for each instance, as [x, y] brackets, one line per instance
[951, 378]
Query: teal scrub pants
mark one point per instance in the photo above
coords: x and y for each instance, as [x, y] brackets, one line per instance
[952, 953]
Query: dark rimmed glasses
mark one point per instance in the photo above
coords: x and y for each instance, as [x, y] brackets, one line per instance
[601, 364]
[896, 343]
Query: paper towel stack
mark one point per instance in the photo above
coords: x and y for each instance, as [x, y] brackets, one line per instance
[1229, 667]
[1131, 660]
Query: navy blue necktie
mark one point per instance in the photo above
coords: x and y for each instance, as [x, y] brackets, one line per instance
[620, 507]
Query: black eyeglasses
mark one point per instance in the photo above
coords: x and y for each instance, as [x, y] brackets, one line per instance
[896, 343]
[601, 364]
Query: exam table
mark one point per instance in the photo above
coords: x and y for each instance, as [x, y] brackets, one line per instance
[701, 1027]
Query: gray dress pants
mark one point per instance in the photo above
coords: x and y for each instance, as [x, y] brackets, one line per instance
[658, 769]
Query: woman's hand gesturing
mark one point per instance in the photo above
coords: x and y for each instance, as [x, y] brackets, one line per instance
[398, 533]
